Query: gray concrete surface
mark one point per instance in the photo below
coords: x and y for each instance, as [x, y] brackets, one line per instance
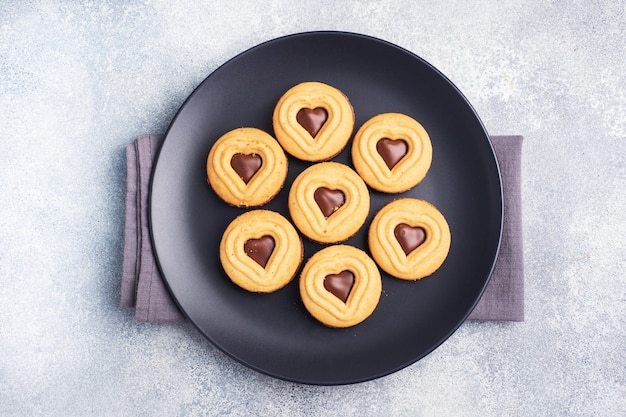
[78, 81]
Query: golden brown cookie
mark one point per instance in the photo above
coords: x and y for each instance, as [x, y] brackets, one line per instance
[391, 152]
[246, 167]
[261, 251]
[328, 202]
[409, 238]
[313, 121]
[340, 286]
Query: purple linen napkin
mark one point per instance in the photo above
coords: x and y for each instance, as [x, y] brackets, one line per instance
[143, 287]
[503, 299]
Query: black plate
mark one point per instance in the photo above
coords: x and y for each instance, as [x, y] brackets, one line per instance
[273, 333]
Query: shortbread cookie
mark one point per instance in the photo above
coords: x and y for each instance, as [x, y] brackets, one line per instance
[392, 152]
[328, 202]
[409, 238]
[313, 121]
[261, 251]
[246, 167]
[340, 286]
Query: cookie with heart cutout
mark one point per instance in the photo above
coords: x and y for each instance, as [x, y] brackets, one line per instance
[261, 251]
[340, 286]
[392, 152]
[246, 167]
[328, 202]
[409, 238]
[313, 121]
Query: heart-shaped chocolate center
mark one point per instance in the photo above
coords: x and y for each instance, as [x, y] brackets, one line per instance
[260, 249]
[339, 284]
[246, 165]
[392, 151]
[409, 237]
[329, 200]
[312, 119]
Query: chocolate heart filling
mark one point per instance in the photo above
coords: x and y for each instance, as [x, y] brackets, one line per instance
[392, 151]
[246, 165]
[312, 119]
[339, 285]
[329, 200]
[260, 249]
[409, 237]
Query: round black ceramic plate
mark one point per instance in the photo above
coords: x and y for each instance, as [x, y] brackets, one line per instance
[273, 333]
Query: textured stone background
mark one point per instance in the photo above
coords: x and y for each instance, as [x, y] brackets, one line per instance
[78, 81]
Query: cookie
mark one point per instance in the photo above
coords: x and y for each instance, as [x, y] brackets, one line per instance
[313, 121]
[246, 167]
[392, 152]
[328, 202]
[340, 286]
[409, 238]
[261, 251]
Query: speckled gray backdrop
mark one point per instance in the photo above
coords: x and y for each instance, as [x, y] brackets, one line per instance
[78, 80]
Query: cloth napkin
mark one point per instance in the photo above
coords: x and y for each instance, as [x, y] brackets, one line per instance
[142, 285]
[503, 299]
[144, 290]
